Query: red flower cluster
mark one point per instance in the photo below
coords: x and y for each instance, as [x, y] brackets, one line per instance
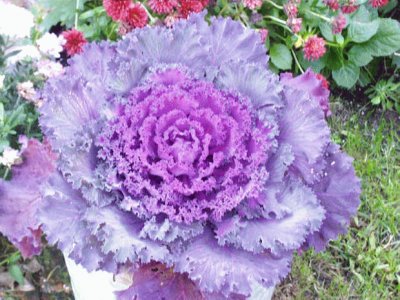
[163, 6]
[116, 8]
[131, 15]
[378, 3]
[134, 15]
[74, 41]
[323, 80]
[191, 6]
[314, 48]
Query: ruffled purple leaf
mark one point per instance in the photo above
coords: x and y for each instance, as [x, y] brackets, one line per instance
[303, 126]
[228, 270]
[339, 194]
[310, 83]
[167, 231]
[63, 205]
[20, 198]
[281, 234]
[119, 233]
[156, 281]
[252, 81]
[229, 41]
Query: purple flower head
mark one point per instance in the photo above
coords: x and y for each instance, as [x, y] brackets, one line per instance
[180, 155]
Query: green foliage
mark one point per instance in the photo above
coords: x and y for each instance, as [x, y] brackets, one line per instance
[281, 56]
[59, 11]
[386, 40]
[385, 93]
[96, 25]
[17, 116]
[347, 75]
[362, 27]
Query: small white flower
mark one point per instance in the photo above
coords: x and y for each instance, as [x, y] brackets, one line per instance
[49, 68]
[26, 90]
[27, 51]
[2, 81]
[51, 45]
[15, 22]
[10, 157]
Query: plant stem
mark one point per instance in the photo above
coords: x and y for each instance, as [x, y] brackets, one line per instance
[274, 4]
[332, 44]
[319, 16]
[223, 9]
[76, 14]
[279, 24]
[152, 19]
[5, 177]
[276, 19]
[297, 61]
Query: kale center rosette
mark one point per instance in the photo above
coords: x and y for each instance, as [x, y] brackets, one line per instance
[185, 149]
[177, 153]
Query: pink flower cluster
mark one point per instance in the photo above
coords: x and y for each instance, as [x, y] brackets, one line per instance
[314, 47]
[332, 4]
[347, 6]
[252, 4]
[338, 23]
[291, 10]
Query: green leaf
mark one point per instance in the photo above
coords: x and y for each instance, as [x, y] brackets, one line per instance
[326, 31]
[376, 100]
[339, 39]
[364, 79]
[16, 273]
[396, 61]
[362, 27]
[281, 56]
[387, 39]
[315, 65]
[347, 75]
[359, 55]
[333, 58]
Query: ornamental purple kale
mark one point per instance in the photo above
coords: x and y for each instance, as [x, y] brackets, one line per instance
[180, 155]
